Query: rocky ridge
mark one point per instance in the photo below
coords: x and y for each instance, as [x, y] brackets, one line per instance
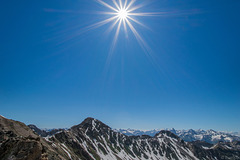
[94, 140]
[19, 142]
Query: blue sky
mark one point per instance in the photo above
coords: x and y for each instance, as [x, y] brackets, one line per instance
[53, 74]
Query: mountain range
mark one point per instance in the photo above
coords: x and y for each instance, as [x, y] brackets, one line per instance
[190, 135]
[94, 140]
[209, 136]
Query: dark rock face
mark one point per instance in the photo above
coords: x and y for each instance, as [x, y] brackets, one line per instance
[221, 151]
[22, 148]
[19, 142]
[94, 140]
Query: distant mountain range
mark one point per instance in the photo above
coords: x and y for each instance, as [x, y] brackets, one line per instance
[209, 136]
[94, 140]
[190, 135]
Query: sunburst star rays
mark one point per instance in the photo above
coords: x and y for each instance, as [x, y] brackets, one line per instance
[122, 15]
[123, 12]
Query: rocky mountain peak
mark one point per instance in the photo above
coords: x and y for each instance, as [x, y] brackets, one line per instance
[88, 120]
[91, 127]
[165, 133]
[173, 130]
[191, 131]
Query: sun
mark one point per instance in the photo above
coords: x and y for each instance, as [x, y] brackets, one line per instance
[123, 14]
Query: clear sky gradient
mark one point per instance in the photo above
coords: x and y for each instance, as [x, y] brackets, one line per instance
[53, 72]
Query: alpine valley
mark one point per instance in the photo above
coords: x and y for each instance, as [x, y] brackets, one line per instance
[94, 140]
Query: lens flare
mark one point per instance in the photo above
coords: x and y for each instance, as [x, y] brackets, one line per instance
[122, 14]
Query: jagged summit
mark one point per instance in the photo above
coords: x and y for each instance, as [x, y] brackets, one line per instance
[163, 133]
[88, 119]
[91, 124]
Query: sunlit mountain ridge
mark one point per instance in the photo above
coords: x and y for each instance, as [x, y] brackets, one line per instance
[210, 136]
